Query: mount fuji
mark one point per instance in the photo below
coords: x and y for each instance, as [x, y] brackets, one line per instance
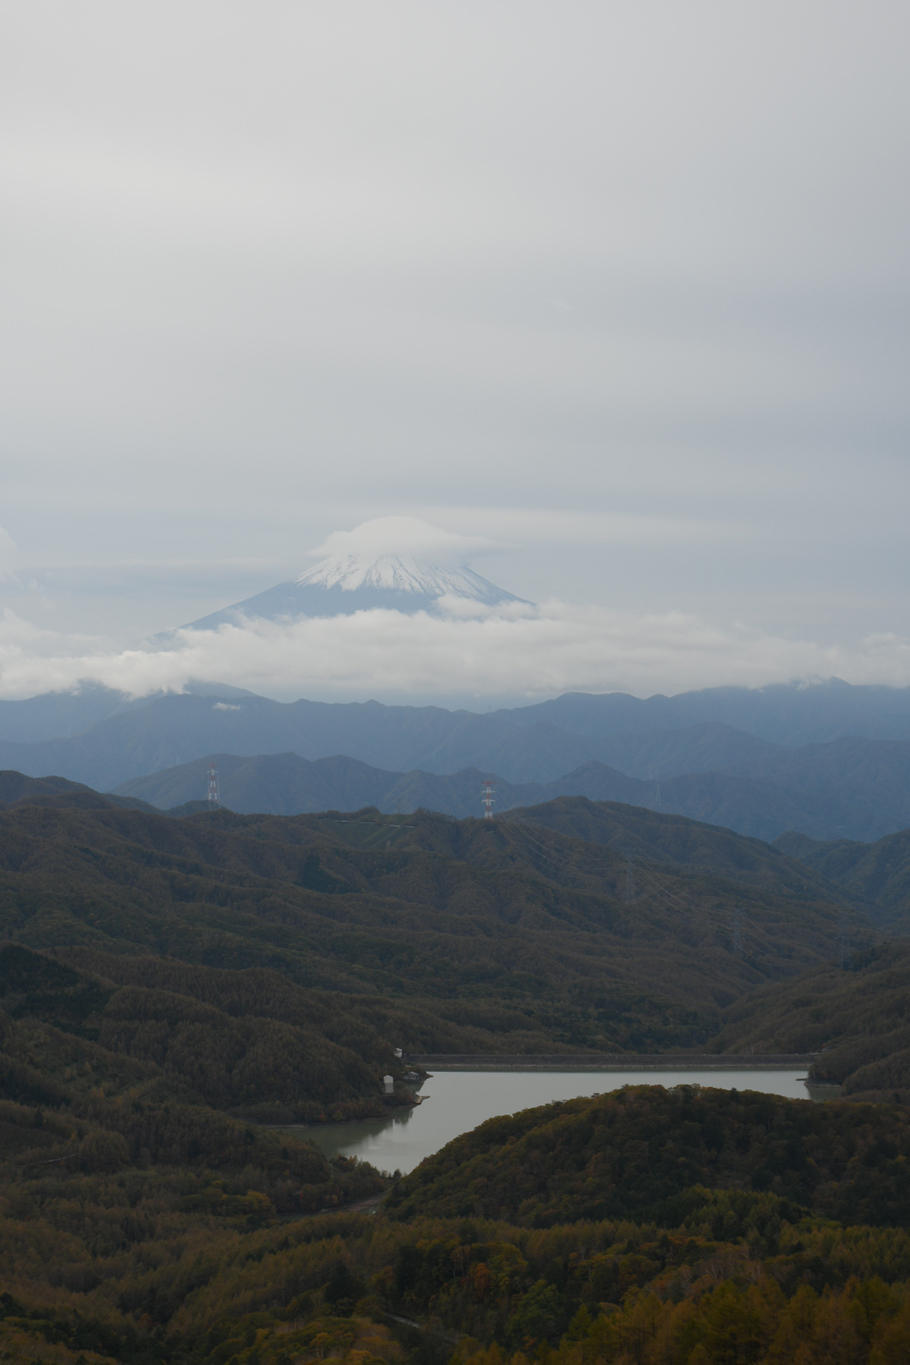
[364, 572]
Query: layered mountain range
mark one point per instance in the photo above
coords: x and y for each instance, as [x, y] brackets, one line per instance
[849, 788]
[830, 761]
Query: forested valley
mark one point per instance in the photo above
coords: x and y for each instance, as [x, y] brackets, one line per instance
[177, 994]
[648, 1226]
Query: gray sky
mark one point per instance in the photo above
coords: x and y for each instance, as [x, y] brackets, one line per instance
[622, 289]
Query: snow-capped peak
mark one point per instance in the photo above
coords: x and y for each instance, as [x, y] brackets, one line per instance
[399, 573]
[392, 563]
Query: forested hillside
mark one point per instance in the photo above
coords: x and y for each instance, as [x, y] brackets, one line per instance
[570, 925]
[171, 987]
[858, 1018]
[876, 874]
[648, 1154]
[676, 841]
[535, 939]
[250, 1043]
[113, 1259]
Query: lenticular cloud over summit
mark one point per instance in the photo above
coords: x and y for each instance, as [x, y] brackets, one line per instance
[381, 565]
[392, 609]
[403, 555]
[410, 537]
[461, 655]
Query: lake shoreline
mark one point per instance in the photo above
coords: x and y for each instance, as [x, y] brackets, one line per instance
[623, 1061]
[462, 1097]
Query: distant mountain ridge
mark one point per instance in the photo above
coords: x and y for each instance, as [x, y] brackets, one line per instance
[285, 784]
[782, 713]
[18, 790]
[826, 790]
[830, 760]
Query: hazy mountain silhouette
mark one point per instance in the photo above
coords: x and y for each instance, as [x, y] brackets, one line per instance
[682, 753]
[828, 791]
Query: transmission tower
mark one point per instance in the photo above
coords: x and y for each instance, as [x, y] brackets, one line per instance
[214, 798]
[487, 798]
[656, 780]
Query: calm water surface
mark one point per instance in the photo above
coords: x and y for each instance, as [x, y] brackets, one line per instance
[458, 1101]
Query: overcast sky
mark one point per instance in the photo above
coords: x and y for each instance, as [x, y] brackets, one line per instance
[620, 289]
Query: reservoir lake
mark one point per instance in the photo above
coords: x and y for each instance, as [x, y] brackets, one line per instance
[456, 1101]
